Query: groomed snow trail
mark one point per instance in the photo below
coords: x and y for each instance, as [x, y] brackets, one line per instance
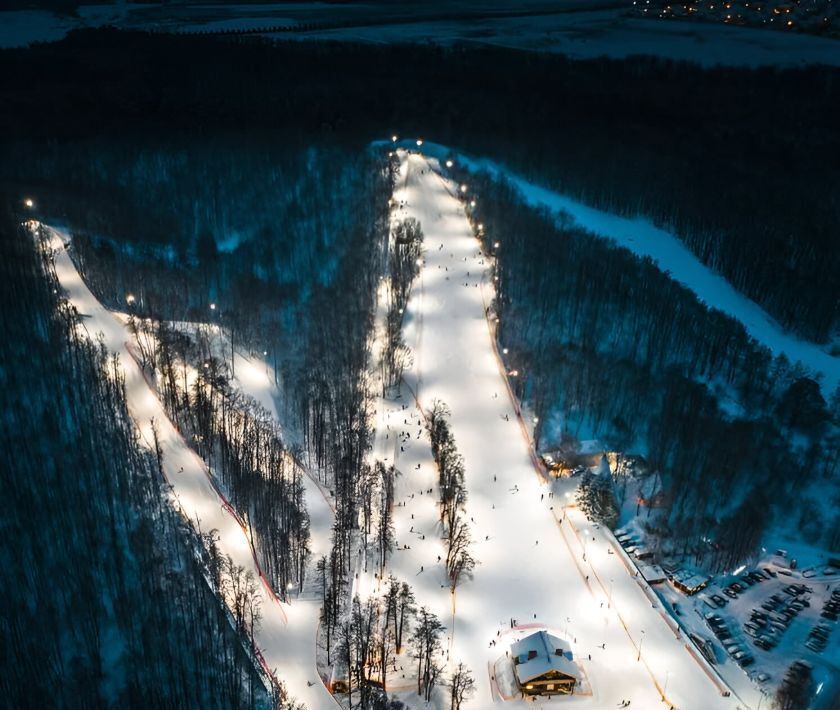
[287, 632]
[671, 255]
[531, 566]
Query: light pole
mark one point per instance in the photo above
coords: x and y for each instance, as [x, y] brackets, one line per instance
[665, 689]
[609, 599]
[568, 495]
[586, 535]
[641, 640]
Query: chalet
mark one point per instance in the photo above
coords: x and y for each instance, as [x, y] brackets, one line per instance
[543, 665]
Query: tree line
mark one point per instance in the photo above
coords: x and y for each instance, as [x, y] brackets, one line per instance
[689, 152]
[106, 600]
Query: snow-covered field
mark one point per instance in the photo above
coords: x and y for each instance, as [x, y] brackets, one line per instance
[610, 33]
[583, 31]
[287, 632]
[531, 561]
[641, 237]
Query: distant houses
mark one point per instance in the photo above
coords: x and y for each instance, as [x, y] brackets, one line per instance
[543, 665]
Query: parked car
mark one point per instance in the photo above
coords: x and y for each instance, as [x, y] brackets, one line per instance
[769, 571]
[719, 600]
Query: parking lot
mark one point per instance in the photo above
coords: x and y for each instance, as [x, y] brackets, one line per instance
[766, 618]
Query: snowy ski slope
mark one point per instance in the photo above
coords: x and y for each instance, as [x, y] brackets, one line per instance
[531, 565]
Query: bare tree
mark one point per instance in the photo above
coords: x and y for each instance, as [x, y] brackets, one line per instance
[461, 685]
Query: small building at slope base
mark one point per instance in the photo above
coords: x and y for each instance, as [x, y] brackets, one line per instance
[543, 665]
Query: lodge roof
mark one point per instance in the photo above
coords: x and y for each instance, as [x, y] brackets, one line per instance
[540, 654]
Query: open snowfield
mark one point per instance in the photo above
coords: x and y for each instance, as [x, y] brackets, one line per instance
[581, 30]
[531, 565]
[287, 632]
[644, 239]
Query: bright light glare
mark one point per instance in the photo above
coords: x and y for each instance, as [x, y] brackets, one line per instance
[29, 202]
[394, 139]
[463, 188]
[212, 306]
[129, 298]
[419, 142]
[449, 163]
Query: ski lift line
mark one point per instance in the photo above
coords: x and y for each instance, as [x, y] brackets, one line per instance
[713, 675]
[614, 608]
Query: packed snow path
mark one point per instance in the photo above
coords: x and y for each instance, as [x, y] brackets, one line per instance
[287, 631]
[673, 257]
[531, 566]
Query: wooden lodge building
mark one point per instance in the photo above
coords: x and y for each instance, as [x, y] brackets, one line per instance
[543, 665]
